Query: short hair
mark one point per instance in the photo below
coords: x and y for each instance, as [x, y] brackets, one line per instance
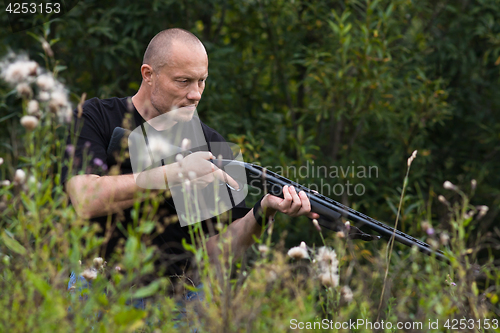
[159, 48]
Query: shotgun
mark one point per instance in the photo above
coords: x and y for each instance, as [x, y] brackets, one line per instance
[331, 211]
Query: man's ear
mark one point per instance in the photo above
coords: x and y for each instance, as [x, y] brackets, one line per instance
[147, 73]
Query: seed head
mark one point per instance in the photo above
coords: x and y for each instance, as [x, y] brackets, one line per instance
[346, 294]
[44, 96]
[19, 71]
[316, 224]
[473, 184]
[348, 225]
[98, 263]
[329, 279]
[412, 157]
[47, 49]
[482, 211]
[449, 186]
[442, 199]
[19, 177]
[33, 106]
[263, 249]
[45, 82]
[89, 274]
[298, 252]
[1, 161]
[444, 238]
[29, 122]
[24, 90]
[186, 144]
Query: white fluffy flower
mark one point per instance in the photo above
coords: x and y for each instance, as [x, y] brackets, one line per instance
[329, 279]
[263, 249]
[449, 186]
[29, 122]
[98, 263]
[24, 90]
[1, 161]
[327, 260]
[19, 176]
[44, 96]
[33, 106]
[346, 294]
[45, 82]
[89, 274]
[19, 71]
[298, 252]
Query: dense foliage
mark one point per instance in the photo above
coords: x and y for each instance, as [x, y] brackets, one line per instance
[294, 83]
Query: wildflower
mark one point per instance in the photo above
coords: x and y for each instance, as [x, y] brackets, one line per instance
[433, 243]
[98, 262]
[412, 157]
[327, 260]
[348, 225]
[186, 144]
[263, 249]
[1, 161]
[329, 279]
[70, 150]
[473, 184]
[58, 100]
[43, 96]
[449, 186]
[19, 71]
[5, 182]
[187, 183]
[178, 158]
[442, 199]
[47, 49]
[346, 293]
[299, 252]
[89, 274]
[19, 177]
[340, 234]
[118, 268]
[444, 238]
[24, 90]
[192, 175]
[45, 82]
[29, 122]
[482, 211]
[316, 224]
[33, 106]
[98, 162]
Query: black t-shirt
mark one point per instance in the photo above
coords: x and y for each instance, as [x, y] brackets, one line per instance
[93, 131]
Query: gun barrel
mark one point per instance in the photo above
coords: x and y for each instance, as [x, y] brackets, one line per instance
[332, 209]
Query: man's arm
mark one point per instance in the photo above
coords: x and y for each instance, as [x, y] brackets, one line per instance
[241, 231]
[94, 195]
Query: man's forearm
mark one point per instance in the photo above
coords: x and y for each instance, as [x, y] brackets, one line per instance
[94, 196]
[240, 236]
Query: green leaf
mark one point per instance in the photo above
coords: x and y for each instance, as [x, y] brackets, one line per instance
[147, 291]
[127, 317]
[12, 244]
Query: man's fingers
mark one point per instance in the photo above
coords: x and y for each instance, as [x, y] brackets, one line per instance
[224, 177]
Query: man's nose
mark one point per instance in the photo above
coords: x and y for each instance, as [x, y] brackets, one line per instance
[194, 93]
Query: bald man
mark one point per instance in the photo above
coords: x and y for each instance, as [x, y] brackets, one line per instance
[174, 74]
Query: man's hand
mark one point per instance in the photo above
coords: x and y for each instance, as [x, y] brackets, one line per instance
[293, 203]
[199, 169]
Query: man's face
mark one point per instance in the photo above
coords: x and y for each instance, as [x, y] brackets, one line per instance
[180, 83]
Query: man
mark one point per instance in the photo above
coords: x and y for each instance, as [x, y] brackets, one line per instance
[174, 73]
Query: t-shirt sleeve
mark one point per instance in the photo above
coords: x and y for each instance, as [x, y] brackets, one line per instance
[86, 143]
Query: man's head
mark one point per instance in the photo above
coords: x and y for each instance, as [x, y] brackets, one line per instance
[174, 70]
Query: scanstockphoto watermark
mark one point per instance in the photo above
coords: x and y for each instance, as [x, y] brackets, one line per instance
[337, 180]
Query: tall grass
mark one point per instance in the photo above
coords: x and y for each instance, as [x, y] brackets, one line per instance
[43, 240]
